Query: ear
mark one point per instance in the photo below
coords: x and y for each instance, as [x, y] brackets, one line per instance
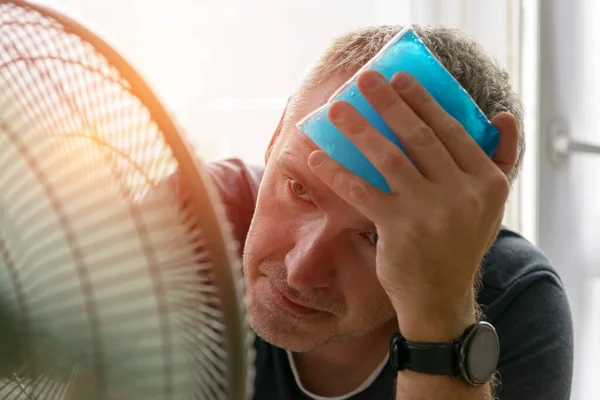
[276, 134]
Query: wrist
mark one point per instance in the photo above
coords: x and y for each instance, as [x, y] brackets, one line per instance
[436, 321]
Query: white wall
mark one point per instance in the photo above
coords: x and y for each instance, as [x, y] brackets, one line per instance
[227, 66]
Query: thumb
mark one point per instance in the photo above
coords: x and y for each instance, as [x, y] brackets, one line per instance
[505, 156]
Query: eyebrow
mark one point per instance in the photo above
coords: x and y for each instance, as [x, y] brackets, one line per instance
[284, 165]
[291, 169]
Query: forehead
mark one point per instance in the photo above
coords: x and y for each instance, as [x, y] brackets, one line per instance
[306, 101]
[310, 98]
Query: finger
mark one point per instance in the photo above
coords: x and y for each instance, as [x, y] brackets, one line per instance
[388, 158]
[366, 198]
[506, 153]
[417, 137]
[462, 147]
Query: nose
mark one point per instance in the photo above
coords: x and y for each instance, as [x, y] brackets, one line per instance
[310, 262]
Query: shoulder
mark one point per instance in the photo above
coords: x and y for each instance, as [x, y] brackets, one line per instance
[234, 178]
[511, 265]
[523, 297]
[237, 185]
[511, 258]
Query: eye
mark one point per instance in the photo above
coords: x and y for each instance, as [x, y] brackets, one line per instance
[298, 189]
[373, 237]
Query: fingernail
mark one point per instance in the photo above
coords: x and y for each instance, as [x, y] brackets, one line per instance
[372, 80]
[402, 80]
[316, 159]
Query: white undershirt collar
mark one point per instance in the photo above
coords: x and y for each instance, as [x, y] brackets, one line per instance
[370, 379]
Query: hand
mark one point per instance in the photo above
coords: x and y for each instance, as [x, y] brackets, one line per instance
[442, 212]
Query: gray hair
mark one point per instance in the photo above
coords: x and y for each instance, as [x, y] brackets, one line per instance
[480, 75]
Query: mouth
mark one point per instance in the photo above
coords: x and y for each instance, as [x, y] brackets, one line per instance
[289, 303]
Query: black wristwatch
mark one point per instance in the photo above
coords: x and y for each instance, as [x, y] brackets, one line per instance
[472, 358]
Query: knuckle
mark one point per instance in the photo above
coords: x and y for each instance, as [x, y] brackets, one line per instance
[391, 160]
[470, 203]
[422, 98]
[347, 119]
[355, 125]
[440, 221]
[453, 130]
[357, 191]
[386, 99]
[421, 136]
[336, 178]
[498, 185]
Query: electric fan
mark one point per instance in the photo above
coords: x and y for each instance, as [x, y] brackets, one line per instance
[118, 275]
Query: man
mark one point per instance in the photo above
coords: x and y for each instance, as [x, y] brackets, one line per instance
[335, 268]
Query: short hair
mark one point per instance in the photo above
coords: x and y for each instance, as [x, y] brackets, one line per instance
[481, 75]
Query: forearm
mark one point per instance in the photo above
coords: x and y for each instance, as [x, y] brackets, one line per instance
[415, 386]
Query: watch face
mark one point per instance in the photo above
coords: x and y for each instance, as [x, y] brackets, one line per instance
[482, 353]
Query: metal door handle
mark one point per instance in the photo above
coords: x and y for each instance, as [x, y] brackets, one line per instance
[562, 144]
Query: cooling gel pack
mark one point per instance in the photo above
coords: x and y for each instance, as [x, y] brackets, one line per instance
[405, 52]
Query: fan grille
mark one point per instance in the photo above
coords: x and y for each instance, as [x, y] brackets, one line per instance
[107, 283]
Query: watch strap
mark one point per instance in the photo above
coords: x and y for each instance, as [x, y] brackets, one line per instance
[429, 358]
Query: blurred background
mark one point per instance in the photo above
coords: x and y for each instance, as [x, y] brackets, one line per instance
[226, 67]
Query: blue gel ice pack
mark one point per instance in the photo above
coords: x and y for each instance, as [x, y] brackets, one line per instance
[405, 52]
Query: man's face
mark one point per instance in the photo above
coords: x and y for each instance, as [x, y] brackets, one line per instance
[309, 259]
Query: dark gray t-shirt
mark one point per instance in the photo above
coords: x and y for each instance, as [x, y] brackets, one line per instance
[522, 296]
